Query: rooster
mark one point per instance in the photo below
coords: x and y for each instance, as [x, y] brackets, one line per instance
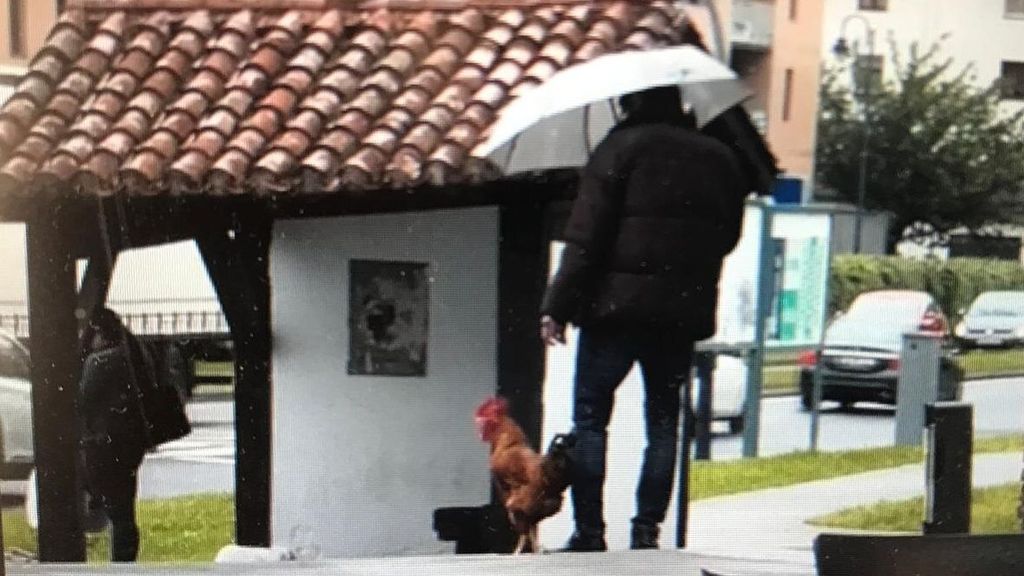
[529, 485]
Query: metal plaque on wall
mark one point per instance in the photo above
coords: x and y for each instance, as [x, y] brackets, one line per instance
[389, 305]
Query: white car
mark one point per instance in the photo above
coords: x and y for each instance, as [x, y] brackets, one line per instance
[729, 391]
[15, 409]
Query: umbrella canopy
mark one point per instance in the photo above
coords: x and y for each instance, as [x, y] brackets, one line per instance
[558, 124]
[709, 86]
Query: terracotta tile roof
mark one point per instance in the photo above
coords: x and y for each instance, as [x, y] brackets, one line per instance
[292, 96]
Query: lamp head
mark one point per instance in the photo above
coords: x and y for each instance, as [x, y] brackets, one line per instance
[841, 48]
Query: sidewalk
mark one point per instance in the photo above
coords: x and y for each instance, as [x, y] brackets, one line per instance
[770, 524]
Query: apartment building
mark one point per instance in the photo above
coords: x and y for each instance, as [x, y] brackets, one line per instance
[24, 25]
[986, 34]
[775, 46]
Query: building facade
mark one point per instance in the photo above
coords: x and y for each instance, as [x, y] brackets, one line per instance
[985, 34]
[24, 25]
[775, 46]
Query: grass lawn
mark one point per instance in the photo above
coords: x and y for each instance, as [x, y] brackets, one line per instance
[193, 529]
[993, 511]
[710, 479]
[979, 363]
[189, 529]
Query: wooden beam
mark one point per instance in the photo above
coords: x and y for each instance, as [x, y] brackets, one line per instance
[95, 285]
[55, 373]
[523, 257]
[949, 555]
[237, 258]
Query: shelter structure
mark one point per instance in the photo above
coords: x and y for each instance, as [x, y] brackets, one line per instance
[378, 276]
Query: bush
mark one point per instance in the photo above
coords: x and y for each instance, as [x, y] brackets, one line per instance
[954, 282]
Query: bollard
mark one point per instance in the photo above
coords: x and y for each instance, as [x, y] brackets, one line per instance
[950, 435]
[918, 384]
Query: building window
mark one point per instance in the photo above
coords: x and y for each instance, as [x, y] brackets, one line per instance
[1011, 81]
[16, 23]
[1014, 8]
[793, 9]
[877, 5]
[787, 95]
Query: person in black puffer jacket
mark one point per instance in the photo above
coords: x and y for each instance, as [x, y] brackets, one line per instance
[659, 207]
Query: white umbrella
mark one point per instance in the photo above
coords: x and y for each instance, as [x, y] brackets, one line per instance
[556, 123]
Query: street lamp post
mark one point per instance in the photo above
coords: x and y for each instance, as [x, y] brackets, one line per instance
[842, 50]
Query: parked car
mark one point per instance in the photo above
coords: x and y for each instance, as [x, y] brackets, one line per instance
[729, 389]
[15, 409]
[860, 360]
[994, 319]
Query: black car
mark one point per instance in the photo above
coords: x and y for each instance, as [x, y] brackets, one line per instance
[860, 360]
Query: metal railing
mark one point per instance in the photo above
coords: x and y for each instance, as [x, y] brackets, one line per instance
[201, 323]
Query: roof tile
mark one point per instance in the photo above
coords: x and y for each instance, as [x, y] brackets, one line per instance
[230, 99]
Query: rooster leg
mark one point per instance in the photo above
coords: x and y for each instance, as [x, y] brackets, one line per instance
[534, 542]
[521, 544]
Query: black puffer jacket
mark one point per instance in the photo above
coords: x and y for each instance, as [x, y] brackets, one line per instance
[659, 207]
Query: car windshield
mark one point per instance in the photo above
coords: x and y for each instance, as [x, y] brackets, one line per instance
[998, 305]
[13, 363]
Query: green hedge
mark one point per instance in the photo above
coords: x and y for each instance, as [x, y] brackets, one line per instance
[954, 282]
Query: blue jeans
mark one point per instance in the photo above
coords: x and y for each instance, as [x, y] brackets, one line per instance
[604, 358]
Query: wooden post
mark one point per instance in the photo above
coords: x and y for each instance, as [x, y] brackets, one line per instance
[523, 258]
[55, 372]
[237, 259]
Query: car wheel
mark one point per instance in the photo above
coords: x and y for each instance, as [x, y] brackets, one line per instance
[951, 385]
[806, 394]
[736, 425]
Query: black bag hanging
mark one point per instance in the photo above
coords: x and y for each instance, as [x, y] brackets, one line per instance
[163, 412]
[164, 415]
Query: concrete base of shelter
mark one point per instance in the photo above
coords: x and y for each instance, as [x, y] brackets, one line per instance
[628, 563]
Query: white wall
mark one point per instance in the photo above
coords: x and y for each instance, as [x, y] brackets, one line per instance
[361, 462]
[979, 34]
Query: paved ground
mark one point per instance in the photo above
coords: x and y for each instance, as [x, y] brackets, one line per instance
[771, 523]
[657, 563]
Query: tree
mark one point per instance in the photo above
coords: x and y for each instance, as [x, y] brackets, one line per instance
[942, 154]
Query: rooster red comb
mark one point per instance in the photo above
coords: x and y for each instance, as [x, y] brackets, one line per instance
[493, 407]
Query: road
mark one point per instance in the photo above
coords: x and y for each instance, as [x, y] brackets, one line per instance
[203, 461]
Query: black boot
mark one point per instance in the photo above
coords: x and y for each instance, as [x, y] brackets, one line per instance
[580, 542]
[643, 537]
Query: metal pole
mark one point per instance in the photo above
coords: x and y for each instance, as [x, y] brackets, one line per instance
[819, 355]
[867, 76]
[704, 362]
[765, 293]
[683, 497]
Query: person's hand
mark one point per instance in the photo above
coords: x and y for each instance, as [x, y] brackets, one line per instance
[551, 331]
